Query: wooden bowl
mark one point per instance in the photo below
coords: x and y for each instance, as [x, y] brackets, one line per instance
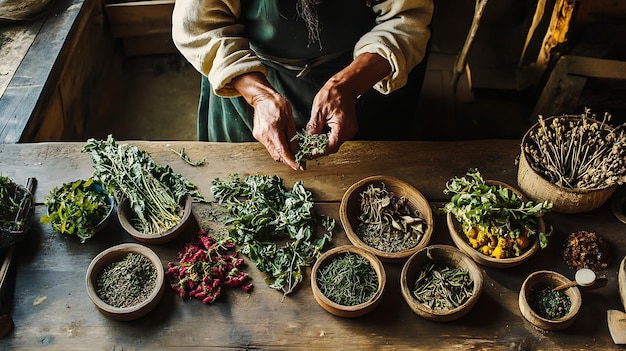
[563, 200]
[445, 255]
[350, 209]
[341, 310]
[124, 214]
[115, 254]
[460, 239]
[553, 279]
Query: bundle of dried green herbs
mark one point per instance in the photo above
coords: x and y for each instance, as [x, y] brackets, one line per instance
[15, 202]
[578, 152]
[127, 282]
[387, 221]
[76, 208]
[348, 280]
[155, 192]
[309, 145]
[440, 287]
[263, 212]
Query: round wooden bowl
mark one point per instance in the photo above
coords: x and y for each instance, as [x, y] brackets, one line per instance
[553, 279]
[460, 239]
[341, 310]
[124, 214]
[350, 209]
[563, 200]
[621, 281]
[115, 254]
[445, 255]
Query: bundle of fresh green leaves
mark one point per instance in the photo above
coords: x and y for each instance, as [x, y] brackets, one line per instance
[263, 212]
[76, 208]
[14, 201]
[155, 192]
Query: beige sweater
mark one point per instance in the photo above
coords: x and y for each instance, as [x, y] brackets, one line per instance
[207, 34]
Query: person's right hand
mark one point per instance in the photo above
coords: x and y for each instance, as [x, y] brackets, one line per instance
[273, 123]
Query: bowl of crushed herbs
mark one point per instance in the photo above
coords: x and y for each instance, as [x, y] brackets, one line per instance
[440, 283]
[386, 216]
[125, 281]
[493, 222]
[348, 281]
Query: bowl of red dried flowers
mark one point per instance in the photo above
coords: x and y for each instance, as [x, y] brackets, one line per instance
[573, 161]
[493, 222]
[125, 281]
[546, 307]
[441, 283]
[386, 216]
[348, 281]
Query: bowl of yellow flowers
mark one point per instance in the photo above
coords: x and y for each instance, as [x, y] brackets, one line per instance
[493, 222]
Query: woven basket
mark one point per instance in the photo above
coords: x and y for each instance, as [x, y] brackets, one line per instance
[564, 200]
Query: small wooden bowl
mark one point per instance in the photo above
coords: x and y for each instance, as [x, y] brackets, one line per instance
[350, 209]
[445, 255]
[348, 311]
[563, 200]
[118, 253]
[553, 279]
[460, 239]
[124, 212]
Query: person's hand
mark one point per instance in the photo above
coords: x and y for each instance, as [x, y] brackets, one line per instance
[335, 104]
[273, 123]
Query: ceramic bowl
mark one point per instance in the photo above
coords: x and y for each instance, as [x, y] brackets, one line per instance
[460, 239]
[553, 279]
[116, 254]
[563, 200]
[350, 209]
[444, 255]
[124, 215]
[341, 310]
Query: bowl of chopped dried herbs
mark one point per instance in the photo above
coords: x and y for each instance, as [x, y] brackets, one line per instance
[125, 281]
[492, 222]
[574, 161]
[441, 283]
[387, 216]
[348, 281]
[545, 307]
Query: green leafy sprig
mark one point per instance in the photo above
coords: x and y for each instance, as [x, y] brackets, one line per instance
[310, 145]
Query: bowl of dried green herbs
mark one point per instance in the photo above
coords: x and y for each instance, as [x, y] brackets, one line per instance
[574, 161]
[441, 283]
[348, 281]
[545, 307]
[125, 281]
[386, 216]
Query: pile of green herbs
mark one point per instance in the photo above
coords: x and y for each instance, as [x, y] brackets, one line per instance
[310, 145]
[155, 192]
[494, 208]
[261, 213]
[548, 303]
[127, 282]
[440, 287]
[348, 280]
[77, 208]
[15, 204]
[387, 221]
[578, 152]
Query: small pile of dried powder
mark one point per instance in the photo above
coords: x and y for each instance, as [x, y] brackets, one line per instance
[586, 250]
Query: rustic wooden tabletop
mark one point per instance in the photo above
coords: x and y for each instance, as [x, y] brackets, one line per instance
[51, 310]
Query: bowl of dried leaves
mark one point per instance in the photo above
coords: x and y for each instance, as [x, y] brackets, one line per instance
[125, 281]
[441, 283]
[386, 216]
[348, 281]
[492, 222]
[574, 161]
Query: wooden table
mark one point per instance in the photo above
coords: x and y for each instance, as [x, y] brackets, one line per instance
[52, 311]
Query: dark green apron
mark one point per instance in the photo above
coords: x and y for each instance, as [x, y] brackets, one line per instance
[277, 34]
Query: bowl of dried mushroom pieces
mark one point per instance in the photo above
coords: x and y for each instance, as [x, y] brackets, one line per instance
[386, 216]
[573, 161]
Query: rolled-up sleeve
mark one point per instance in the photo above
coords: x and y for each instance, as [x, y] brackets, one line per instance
[207, 34]
[400, 35]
